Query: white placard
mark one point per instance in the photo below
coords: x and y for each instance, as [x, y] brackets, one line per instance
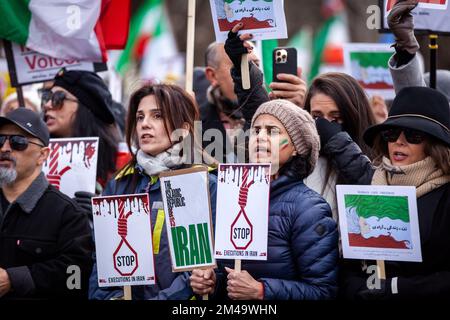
[265, 19]
[379, 223]
[242, 214]
[368, 64]
[187, 207]
[72, 164]
[28, 66]
[430, 15]
[123, 240]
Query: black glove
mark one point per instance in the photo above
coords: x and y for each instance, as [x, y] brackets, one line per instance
[234, 47]
[376, 294]
[83, 199]
[327, 130]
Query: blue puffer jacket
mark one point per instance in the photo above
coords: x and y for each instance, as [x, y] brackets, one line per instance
[302, 246]
[169, 285]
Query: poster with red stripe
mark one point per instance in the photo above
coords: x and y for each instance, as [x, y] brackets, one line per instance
[72, 164]
[368, 64]
[379, 223]
[265, 19]
[430, 15]
[242, 214]
[123, 240]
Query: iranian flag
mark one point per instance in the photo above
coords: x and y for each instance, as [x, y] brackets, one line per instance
[327, 44]
[378, 221]
[145, 25]
[65, 29]
[368, 63]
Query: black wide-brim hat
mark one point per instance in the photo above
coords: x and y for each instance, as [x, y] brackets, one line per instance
[418, 108]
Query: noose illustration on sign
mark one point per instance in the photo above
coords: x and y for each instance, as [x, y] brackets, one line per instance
[122, 229]
[243, 197]
[53, 176]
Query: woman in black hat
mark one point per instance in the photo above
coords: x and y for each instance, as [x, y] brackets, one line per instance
[79, 104]
[413, 147]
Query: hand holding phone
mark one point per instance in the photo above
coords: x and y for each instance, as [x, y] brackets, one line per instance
[284, 61]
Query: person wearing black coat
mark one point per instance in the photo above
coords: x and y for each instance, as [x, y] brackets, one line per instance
[414, 148]
[45, 238]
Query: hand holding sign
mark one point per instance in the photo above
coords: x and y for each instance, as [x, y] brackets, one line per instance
[237, 47]
[401, 23]
[242, 286]
[203, 282]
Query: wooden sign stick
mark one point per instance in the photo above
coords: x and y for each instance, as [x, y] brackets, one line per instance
[237, 265]
[381, 271]
[127, 292]
[245, 72]
[190, 46]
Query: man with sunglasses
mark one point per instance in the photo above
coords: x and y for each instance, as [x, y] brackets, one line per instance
[42, 231]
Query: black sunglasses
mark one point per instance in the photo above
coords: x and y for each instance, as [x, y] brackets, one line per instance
[56, 97]
[17, 142]
[411, 135]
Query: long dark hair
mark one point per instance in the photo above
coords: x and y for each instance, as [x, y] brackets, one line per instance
[87, 125]
[351, 101]
[177, 108]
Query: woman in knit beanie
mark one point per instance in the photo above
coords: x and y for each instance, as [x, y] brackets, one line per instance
[303, 239]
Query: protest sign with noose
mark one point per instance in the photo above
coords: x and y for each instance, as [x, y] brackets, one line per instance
[123, 241]
[242, 214]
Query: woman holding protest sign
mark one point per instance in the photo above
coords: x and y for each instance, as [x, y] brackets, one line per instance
[302, 237]
[160, 136]
[80, 105]
[413, 149]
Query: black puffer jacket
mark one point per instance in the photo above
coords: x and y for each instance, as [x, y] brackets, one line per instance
[302, 246]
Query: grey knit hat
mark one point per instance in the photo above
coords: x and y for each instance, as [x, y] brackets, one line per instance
[299, 125]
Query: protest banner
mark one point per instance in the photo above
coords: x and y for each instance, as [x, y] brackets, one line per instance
[368, 64]
[188, 212]
[431, 16]
[242, 214]
[27, 66]
[123, 240]
[379, 223]
[265, 19]
[72, 164]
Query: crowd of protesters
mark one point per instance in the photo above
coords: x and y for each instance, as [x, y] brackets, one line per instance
[333, 135]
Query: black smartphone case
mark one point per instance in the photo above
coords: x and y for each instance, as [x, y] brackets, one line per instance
[289, 67]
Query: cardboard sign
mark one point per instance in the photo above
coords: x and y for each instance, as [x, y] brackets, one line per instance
[27, 66]
[368, 64]
[431, 16]
[72, 164]
[265, 19]
[187, 207]
[379, 223]
[242, 214]
[123, 240]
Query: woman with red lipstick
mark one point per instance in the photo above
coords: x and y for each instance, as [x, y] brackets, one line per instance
[413, 147]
